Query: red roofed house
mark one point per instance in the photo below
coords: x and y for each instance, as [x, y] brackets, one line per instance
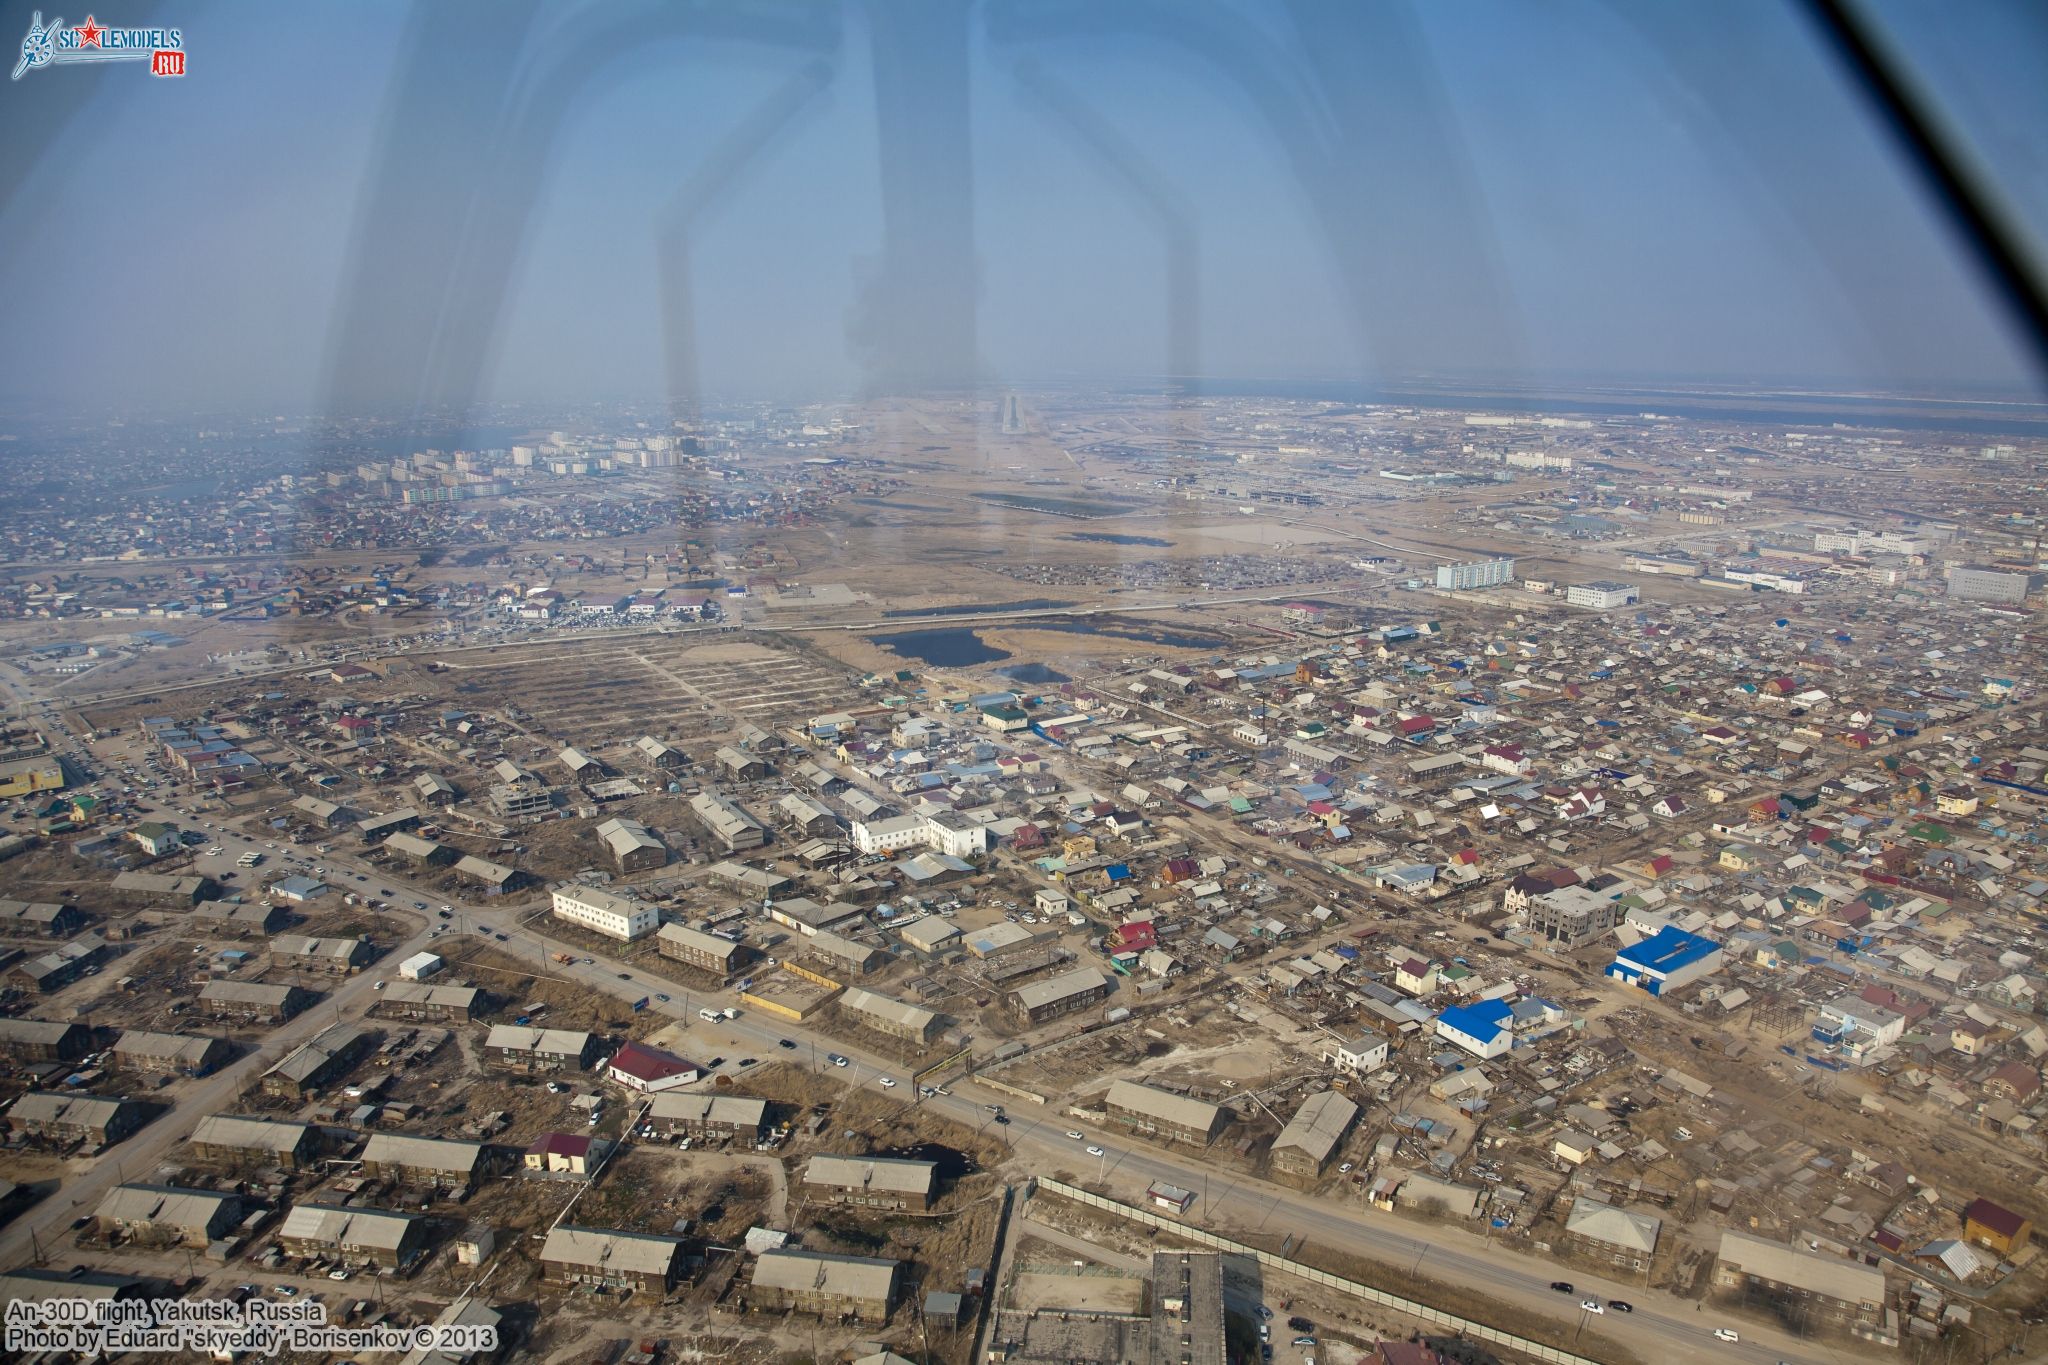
[1180, 870]
[648, 1069]
[1764, 808]
[1506, 758]
[1987, 1224]
[1417, 725]
[1136, 936]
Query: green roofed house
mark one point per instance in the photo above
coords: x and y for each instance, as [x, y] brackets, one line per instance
[1004, 719]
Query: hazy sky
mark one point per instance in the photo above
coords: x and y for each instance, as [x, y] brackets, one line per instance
[349, 202]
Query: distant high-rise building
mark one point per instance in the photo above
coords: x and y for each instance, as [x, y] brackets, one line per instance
[1480, 573]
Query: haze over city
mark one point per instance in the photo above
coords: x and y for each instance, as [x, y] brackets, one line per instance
[924, 684]
[1478, 192]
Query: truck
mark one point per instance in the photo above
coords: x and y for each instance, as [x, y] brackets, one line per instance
[709, 1016]
[566, 959]
[640, 1004]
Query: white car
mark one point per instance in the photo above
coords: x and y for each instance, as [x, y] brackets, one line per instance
[837, 1060]
[1077, 1135]
[1726, 1334]
[886, 1083]
[1095, 1151]
[1593, 1306]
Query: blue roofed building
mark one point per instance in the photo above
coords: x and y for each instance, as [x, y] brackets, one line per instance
[1668, 960]
[1484, 1028]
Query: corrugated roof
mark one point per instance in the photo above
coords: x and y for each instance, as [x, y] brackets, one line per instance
[1828, 1276]
[1616, 1227]
[1318, 1125]
[737, 1110]
[425, 993]
[248, 1133]
[424, 1153]
[1178, 1110]
[1058, 988]
[554, 1042]
[807, 1272]
[178, 1047]
[626, 1253]
[378, 1229]
[882, 1007]
[171, 1205]
[888, 1174]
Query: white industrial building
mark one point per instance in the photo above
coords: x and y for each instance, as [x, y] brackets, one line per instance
[420, 966]
[1602, 596]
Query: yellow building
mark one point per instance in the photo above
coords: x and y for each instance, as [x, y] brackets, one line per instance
[26, 775]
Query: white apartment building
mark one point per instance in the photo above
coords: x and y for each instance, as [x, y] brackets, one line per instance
[1484, 573]
[947, 832]
[891, 835]
[606, 912]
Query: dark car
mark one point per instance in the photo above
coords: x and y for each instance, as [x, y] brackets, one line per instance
[788, 1043]
[1561, 1286]
[1301, 1324]
[625, 976]
[747, 1061]
[1621, 1306]
[441, 914]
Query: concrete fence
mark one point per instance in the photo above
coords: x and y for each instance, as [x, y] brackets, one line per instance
[1431, 1317]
